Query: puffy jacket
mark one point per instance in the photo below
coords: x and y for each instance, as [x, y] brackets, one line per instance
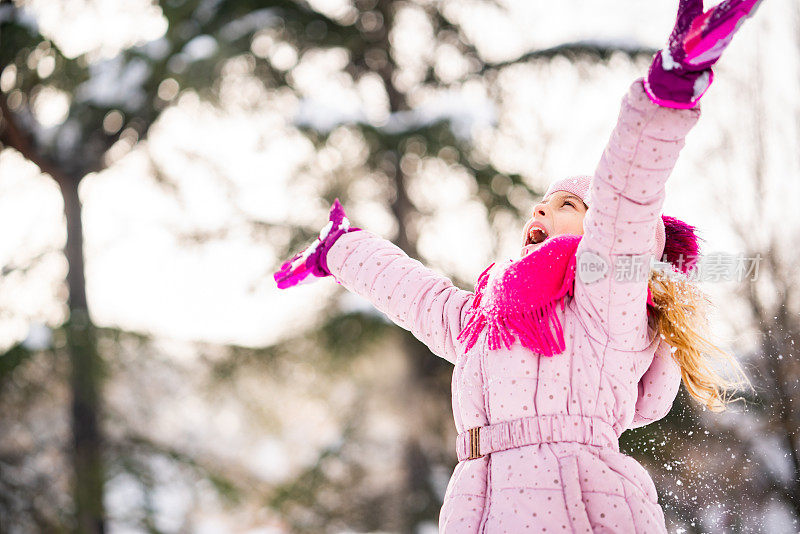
[616, 372]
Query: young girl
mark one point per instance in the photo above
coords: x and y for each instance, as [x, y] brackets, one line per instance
[560, 351]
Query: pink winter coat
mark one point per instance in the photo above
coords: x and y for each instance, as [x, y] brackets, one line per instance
[568, 410]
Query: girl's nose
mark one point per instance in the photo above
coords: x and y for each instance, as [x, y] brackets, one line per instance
[539, 209]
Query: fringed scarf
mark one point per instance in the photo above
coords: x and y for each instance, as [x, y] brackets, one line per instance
[519, 299]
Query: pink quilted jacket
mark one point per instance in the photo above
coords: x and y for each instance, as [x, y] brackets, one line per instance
[551, 424]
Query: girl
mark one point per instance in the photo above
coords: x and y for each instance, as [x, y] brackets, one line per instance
[560, 351]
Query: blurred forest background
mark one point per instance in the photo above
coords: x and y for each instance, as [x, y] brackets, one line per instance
[159, 159]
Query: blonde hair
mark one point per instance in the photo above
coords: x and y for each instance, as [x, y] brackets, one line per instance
[680, 317]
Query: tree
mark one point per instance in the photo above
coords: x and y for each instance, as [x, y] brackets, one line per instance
[78, 146]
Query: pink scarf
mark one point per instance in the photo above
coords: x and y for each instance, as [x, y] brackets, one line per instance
[519, 298]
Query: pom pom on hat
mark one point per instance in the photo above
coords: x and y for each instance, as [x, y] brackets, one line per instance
[681, 244]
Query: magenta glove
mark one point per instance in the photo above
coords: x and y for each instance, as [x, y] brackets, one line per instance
[312, 261]
[681, 73]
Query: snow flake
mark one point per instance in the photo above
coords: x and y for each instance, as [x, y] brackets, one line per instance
[667, 63]
[701, 84]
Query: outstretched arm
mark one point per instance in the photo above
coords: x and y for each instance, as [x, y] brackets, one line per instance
[628, 186]
[413, 296]
[626, 197]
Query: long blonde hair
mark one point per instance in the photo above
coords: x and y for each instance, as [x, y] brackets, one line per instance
[680, 317]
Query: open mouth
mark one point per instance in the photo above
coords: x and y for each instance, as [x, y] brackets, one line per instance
[535, 236]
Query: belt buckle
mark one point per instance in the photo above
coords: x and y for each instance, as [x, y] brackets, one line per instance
[474, 443]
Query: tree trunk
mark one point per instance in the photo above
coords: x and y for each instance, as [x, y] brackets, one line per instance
[85, 377]
[421, 388]
[85, 362]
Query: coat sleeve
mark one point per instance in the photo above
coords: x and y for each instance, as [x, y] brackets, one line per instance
[413, 296]
[626, 197]
[658, 388]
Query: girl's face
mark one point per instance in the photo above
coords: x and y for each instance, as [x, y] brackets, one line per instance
[560, 214]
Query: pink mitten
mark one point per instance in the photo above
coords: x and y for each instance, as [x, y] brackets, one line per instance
[312, 260]
[681, 73]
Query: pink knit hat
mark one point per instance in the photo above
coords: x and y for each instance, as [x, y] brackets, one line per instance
[674, 238]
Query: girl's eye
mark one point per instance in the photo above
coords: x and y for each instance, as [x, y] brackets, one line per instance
[570, 203]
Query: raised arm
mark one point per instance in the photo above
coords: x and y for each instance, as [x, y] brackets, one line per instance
[628, 186]
[413, 296]
[626, 197]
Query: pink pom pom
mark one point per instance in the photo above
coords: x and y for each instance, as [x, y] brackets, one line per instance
[681, 247]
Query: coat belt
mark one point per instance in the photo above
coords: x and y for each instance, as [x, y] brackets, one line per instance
[480, 441]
